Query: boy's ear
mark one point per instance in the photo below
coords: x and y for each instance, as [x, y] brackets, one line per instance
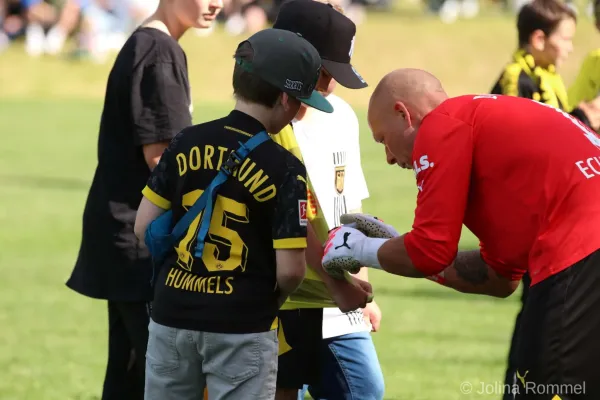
[284, 99]
[537, 40]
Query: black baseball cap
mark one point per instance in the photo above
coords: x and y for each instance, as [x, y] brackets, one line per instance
[330, 31]
[287, 61]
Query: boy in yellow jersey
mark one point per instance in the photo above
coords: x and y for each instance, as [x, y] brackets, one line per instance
[586, 87]
[545, 29]
[325, 342]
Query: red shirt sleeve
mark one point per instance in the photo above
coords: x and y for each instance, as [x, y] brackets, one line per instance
[442, 158]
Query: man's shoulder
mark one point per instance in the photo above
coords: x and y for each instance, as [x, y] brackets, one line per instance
[453, 112]
[150, 46]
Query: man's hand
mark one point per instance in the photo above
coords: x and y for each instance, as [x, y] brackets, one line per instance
[372, 315]
[350, 294]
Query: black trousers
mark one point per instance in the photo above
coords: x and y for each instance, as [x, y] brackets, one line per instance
[511, 368]
[557, 344]
[127, 342]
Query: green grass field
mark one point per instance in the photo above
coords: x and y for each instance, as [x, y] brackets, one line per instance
[53, 342]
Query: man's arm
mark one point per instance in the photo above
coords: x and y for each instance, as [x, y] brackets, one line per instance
[443, 178]
[153, 152]
[442, 161]
[157, 193]
[470, 274]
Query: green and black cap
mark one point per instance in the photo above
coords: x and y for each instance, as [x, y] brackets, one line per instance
[287, 61]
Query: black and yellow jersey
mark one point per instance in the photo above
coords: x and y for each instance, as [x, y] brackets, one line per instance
[312, 293]
[262, 207]
[587, 84]
[522, 78]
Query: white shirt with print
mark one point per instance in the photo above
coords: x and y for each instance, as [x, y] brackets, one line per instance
[331, 151]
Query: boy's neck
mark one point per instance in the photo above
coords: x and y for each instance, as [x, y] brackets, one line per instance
[164, 20]
[537, 60]
[301, 113]
[260, 113]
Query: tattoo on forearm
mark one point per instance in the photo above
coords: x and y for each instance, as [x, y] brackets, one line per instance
[471, 268]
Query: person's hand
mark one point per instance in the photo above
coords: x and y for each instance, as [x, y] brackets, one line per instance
[351, 293]
[372, 315]
[371, 226]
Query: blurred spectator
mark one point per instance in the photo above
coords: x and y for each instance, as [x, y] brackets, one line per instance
[106, 24]
[586, 87]
[50, 22]
[12, 23]
[250, 16]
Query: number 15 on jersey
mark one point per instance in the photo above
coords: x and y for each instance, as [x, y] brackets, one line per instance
[224, 249]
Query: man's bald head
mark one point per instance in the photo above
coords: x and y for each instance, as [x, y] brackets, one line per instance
[415, 88]
[398, 105]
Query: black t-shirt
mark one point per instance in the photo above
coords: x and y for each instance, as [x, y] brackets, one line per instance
[260, 208]
[147, 101]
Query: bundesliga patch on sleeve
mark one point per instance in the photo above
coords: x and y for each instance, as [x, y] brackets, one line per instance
[302, 212]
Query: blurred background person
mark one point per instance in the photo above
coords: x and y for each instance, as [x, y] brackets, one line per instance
[106, 24]
[586, 87]
[49, 23]
[12, 22]
[147, 102]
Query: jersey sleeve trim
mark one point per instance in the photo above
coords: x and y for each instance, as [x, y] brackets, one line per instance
[289, 243]
[156, 199]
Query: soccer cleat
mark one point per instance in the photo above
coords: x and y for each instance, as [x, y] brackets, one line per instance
[371, 226]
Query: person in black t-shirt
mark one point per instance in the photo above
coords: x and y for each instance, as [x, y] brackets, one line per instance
[214, 314]
[147, 103]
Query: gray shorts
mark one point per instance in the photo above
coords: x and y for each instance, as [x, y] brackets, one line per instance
[181, 363]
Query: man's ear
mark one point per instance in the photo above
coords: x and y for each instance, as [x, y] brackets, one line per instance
[400, 109]
[537, 40]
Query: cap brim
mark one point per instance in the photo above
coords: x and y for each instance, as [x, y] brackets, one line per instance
[317, 101]
[345, 74]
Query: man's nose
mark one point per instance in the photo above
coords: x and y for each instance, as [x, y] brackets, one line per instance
[390, 157]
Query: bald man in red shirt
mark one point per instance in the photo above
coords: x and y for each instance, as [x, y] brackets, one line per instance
[525, 179]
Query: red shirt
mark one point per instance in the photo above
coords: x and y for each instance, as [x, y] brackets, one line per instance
[522, 176]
